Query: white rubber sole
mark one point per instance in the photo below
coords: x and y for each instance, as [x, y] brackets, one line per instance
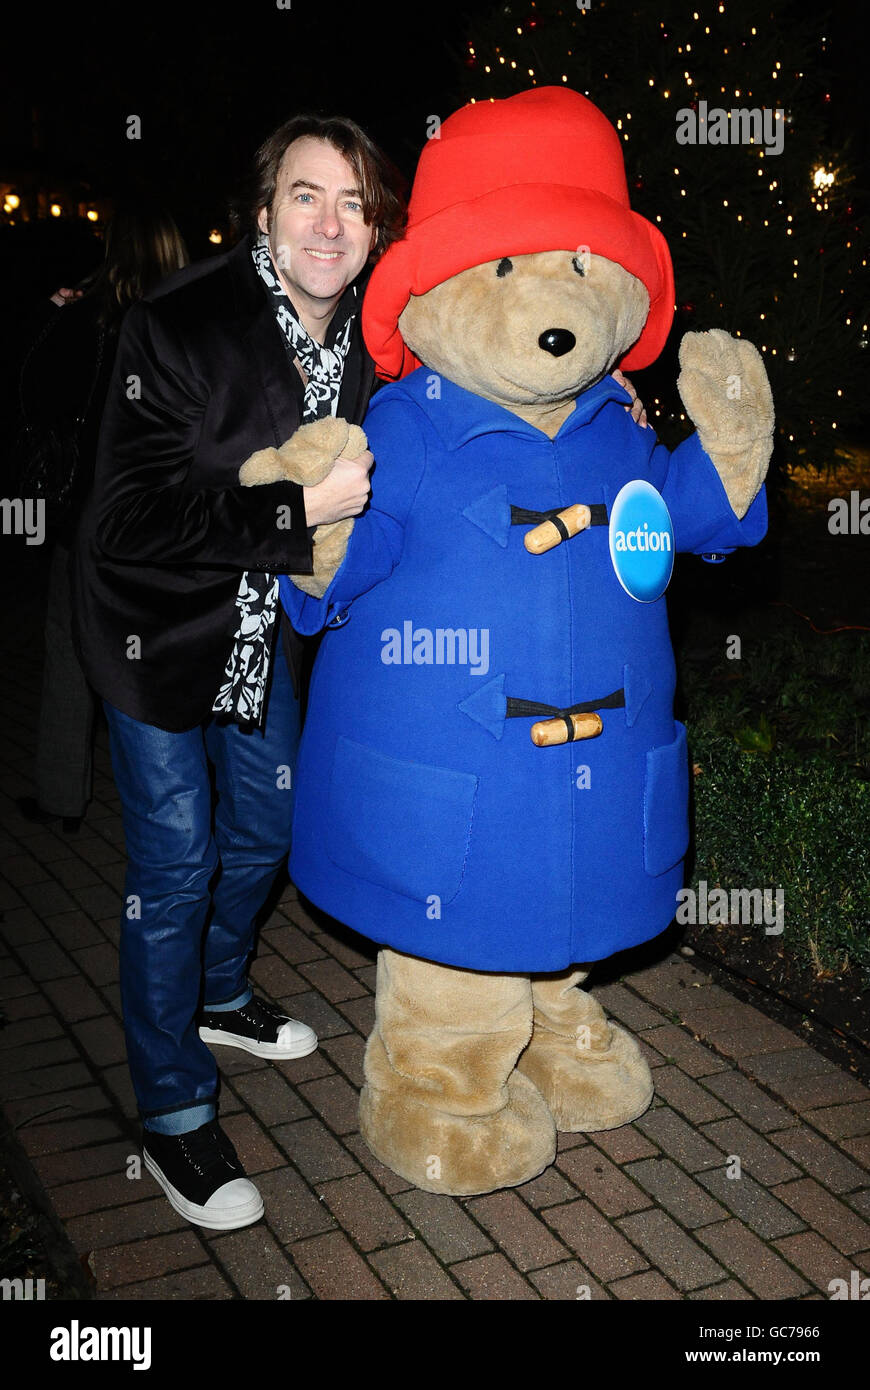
[243, 1215]
[216, 1038]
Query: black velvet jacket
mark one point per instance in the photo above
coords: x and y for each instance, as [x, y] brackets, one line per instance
[202, 379]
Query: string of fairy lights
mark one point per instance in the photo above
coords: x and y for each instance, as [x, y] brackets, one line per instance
[821, 178]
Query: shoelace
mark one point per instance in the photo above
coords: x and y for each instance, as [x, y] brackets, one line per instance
[209, 1151]
[255, 1010]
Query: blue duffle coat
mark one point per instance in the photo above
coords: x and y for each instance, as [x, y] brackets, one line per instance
[425, 818]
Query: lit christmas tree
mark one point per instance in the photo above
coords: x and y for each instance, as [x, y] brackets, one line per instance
[723, 107]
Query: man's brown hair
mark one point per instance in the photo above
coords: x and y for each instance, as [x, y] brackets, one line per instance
[379, 181]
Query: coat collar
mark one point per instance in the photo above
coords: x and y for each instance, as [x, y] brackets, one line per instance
[459, 415]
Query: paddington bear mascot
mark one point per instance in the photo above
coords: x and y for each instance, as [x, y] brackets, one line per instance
[492, 785]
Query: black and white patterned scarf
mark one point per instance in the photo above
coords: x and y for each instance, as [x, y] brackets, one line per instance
[242, 695]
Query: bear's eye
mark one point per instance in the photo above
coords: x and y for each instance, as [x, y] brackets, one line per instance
[504, 267]
[578, 265]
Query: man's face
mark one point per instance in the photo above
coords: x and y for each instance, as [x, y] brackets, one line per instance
[317, 235]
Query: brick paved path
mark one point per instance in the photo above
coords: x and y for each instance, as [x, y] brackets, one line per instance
[645, 1212]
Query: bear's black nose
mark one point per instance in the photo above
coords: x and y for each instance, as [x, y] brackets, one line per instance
[557, 340]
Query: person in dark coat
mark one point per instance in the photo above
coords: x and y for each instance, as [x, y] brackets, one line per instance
[178, 626]
[63, 384]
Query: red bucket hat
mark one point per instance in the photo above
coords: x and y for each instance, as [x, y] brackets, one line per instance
[541, 171]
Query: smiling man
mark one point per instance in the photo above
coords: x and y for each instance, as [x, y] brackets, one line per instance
[179, 628]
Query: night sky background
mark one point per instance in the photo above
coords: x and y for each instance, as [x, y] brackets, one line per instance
[210, 81]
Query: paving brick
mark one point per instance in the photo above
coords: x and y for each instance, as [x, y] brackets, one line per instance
[291, 943]
[676, 1192]
[843, 1227]
[567, 1281]
[668, 983]
[523, 1237]
[334, 1270]
[113, 1190]
[272, 1099]
[383, 1176]
[43, 1052]
[102, 1039]
[815, 1258]
[757, 1157]
[364, 1212]
[586, 1232]
[146, 1259]
[624, 1144]
[313, 1009]
[317, 1155]
[360, 1013]
[117, 1080]
[351, 950]
[749, 1102]
[67, 1136]
[74, 930]
[335, 1100]
[91, 1162]
[644, 1286]
[47, 897]
[630, 1010]
[745, 1198]
[569, 1141]
[859, 1149]
[43, 1080]
[254, 1147]
[85, 1100]
[444, 1225]
[673, 1252]
[548, 1190]
[347, 1053]
[754, 1263]
[45, 960]
[202, 1284]
[97, 851]
[367, 975]
[671, 1132]
[292, 1210]
[738, 1030]
[492, 1278]
[727, 1292]
[19, 869]
[114, 1225]
[74, 873]
[842, 1121]
[23, 1006]
[332, 980]
[685, 1095]
[257, 1265]
[21, 926]
[299, 1069]
[100, 963]
[798, 1062]
[602, 1182]
[676, 1045]
[74, 999]
[823, 1089]
[276, 977]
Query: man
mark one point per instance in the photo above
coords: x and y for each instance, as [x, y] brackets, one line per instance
[178, 619]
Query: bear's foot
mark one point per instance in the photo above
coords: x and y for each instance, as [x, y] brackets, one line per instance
[591, 1073]
[459, 1155]
[586, 1088]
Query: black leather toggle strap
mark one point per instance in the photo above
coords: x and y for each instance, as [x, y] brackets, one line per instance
[523, 709]
[521, 516]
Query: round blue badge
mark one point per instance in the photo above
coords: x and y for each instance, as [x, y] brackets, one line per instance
[641, 541]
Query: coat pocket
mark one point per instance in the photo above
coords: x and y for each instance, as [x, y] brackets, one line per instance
[403, 826]
[666, 804]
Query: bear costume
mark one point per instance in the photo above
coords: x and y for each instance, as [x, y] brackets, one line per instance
[491, 783]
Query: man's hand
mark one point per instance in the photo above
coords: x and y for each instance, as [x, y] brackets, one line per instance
[343, 492]
[638, 413]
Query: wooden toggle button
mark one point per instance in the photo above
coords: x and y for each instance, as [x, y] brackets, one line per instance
[547, 535]
[547, 732]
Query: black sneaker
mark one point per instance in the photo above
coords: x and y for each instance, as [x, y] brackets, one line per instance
[259, 1027]
[201, 1175]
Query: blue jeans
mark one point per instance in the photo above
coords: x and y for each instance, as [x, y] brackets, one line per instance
[194, 887]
